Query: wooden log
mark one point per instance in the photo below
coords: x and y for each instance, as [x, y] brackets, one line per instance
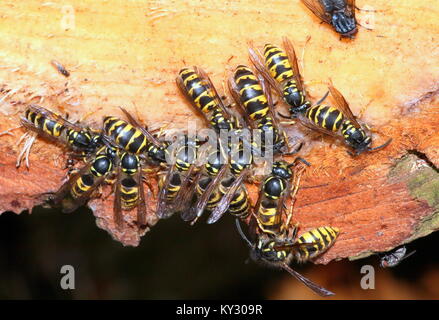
[123, 53]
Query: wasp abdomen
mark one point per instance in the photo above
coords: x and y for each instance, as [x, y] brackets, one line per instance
[326, 117]
[277, 63]
[321, 238]
[251, 93]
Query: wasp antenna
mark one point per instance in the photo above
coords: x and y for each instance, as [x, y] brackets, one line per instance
[301, 160]
[241, 233]
[323, 98]
[381, 146]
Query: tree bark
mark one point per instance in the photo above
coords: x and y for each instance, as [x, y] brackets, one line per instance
[124, 53]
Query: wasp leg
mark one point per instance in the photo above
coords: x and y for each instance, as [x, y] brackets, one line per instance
[25, 151]
[261, 227]
[8, 132]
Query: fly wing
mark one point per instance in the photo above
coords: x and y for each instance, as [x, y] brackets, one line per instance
[350, 4]
[316, 7]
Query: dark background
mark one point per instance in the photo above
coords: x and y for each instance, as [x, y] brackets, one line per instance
[176, 261]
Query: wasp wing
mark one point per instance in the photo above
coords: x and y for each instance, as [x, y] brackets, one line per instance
[291, 54]
[162, 209]
[70, 204]
[148, 135]
[342, 104]
[211, 188]
[117, 204]
[205, 78]
[234, 91]
[189, 214]
[313, 286]
[257, 61]
[142, 210]
[224, 203]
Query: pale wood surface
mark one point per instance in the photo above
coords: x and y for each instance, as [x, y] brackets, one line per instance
[129, 52]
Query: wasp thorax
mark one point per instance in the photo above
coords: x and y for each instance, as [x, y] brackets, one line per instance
[129, 163]
[282, 170]
[101, 165]
[292, 95]
[274, 187]
[265, 251]
[79, 139]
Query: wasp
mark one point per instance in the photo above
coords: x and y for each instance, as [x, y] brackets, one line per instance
[395, 257]
[79, 188]
[251, 94]
[279, 252]
[55, 128]
[280, 69]
[200, 91]
[204, 195]
[133, 138]
[340, 14]
[219, 186]
[276, 242]
[339, 122]
[129, 193]
[233, 193]
[175, 186]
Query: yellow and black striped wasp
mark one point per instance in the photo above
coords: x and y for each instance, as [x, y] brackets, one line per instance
[129, 190]
[340, 14]
[176, 184]
[137, 147]
[81, 186]
[339, 122]
[280, 69]
[251, 94]
[81, 140]
[200, 91]
[275, 241]
[233, 192]
[203, 96]
[133, 138]
[204, 194]
[219, 185]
